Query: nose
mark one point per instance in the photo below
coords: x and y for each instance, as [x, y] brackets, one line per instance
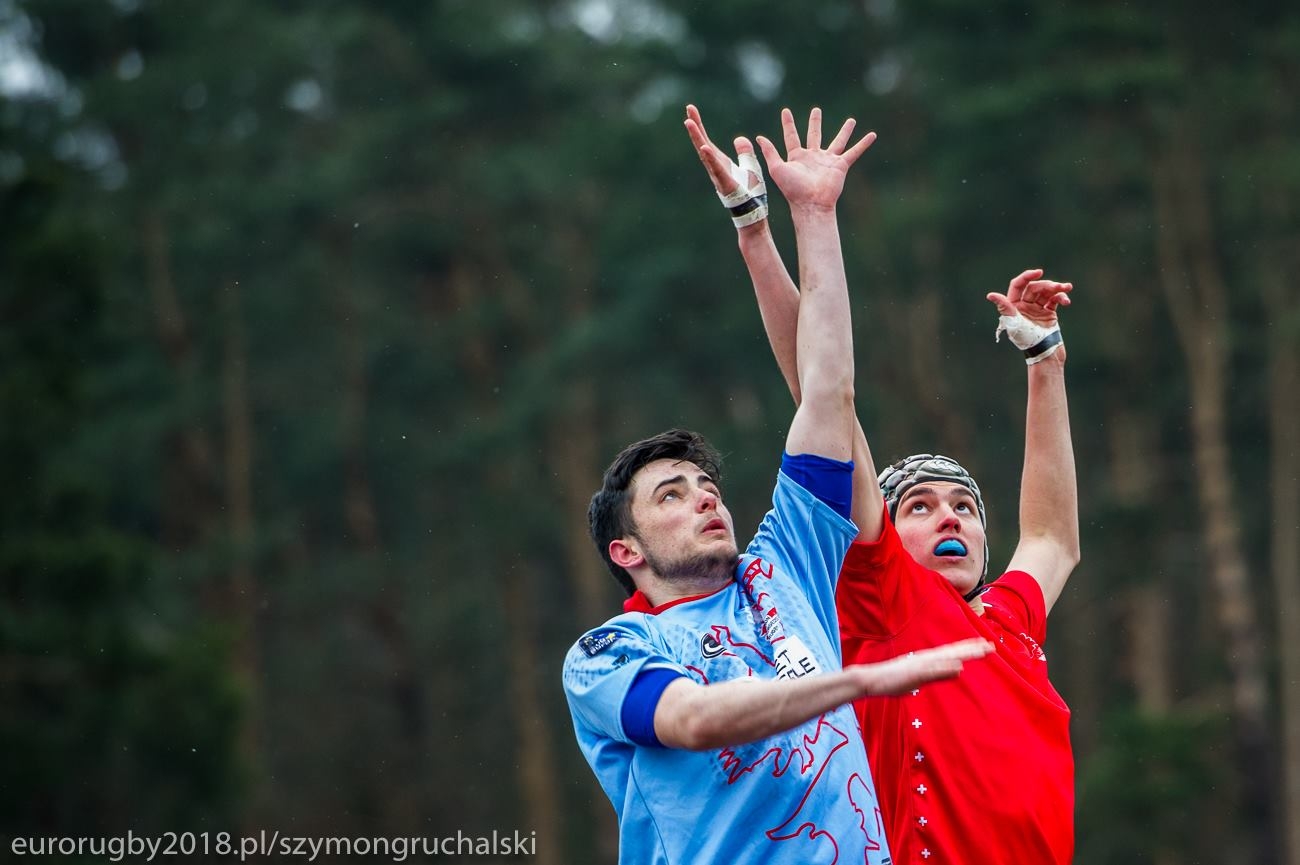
[949, 522]
[706, 501]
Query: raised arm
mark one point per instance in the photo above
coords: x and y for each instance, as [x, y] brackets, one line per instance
[811, 179]
[702, 717]
[1049, 499]
[778, 304]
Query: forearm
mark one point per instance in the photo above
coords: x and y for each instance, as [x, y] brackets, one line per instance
[1049, 499]
[778, 298]
[868, 502]
[778, 304]
[703, 717]
[825, 339]
[823, 424]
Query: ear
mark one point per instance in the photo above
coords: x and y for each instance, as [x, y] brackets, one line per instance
[624, 553]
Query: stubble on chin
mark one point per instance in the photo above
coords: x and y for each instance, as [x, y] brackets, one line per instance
[709, 568]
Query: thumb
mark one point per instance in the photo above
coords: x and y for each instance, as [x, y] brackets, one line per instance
[743, 145]
[1004, 305]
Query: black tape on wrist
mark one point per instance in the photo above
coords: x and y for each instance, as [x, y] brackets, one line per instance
[1046, 344]
[748, 206]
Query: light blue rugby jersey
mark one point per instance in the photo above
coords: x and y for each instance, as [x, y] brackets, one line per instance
[804, 796]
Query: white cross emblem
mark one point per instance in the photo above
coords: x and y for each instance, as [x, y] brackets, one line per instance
[922, 789]
[926, 852]
[916, 723]
[921, 821]
[919, 757]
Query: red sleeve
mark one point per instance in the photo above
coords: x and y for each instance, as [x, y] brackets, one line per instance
[876, 591]
[1018, 595]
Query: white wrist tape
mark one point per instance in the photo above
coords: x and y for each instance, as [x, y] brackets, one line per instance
[748, 204]
[1036, 341]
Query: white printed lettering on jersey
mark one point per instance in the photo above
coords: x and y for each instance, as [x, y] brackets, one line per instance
[794, 659]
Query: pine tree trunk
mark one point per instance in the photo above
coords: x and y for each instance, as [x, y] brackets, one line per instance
[1150, 663]
[536, 780]
[242, 601]
[382, 611]
[532, 727]
[573, 446]
[189, 498]
[1197, 300]
[1284, 474]
[1132, 478]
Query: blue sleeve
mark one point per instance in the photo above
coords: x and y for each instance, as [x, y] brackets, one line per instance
[601, 672]
[640, 703]
[829, 480]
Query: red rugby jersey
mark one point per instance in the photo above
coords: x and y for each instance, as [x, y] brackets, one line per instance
[976, 770]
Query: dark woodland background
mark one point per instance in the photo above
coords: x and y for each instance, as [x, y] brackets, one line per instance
[321, 319]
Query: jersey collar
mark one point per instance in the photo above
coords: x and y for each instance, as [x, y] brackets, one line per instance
[639, 603]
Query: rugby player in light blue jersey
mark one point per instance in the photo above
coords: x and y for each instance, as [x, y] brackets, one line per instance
[715, 711]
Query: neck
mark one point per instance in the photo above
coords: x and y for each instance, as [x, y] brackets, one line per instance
[660, 591]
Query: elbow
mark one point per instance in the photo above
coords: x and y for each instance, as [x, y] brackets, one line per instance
[1069, 552]
[698, 732]
[1061, 550]
[688, 723]
[1070, 547]
[828, 387]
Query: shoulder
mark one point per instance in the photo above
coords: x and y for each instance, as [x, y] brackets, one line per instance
[796, 514]
[1016, 587]
[626, 629]
[789, 493]
[884, 550]
[1016, 600]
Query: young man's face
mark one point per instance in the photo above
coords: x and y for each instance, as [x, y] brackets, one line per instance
[683, 529]
[939, 524]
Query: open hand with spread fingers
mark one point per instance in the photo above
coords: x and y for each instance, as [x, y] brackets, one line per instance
[810, 176]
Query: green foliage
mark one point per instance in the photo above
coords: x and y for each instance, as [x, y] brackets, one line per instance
[1154, 789]
[117, 711]
[427, 247]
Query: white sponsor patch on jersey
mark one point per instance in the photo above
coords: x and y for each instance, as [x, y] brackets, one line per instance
[794, 659]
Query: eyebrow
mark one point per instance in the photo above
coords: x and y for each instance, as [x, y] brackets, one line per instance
[677, 479]
[667, 482]
[959, 491]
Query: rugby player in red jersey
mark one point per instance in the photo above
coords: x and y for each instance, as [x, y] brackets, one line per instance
[977, 769]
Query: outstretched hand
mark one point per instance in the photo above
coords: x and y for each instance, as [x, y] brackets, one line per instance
[721, 168]
[899, 675]
[1033, 297]
[810, 176]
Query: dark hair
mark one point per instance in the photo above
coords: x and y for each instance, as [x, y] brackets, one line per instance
[609, 515]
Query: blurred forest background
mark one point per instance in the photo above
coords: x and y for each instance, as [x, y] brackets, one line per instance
[321, 320]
